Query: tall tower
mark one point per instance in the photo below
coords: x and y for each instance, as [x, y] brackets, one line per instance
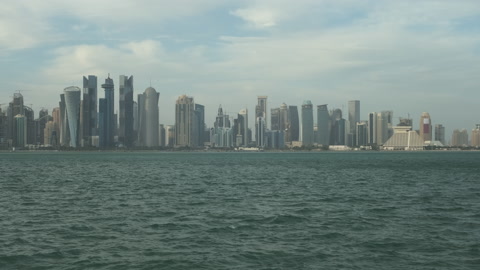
[353, 119]
[244, 114]
[185, 122]
[89, 109]
[293, 133]
[151, 117]
[261, 110]
[72, 102]
[275, 119]
[372, 128]
[107, 121]
[283, 117]
[353, 114]
[307, 123]
[425, 127]
[323, 125]
[440, 133]
[200, 120]
[125, 133]
[64, 130]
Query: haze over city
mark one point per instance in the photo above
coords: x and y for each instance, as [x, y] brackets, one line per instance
[404, 56]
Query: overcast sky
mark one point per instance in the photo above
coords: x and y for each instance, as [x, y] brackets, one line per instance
[408, 56]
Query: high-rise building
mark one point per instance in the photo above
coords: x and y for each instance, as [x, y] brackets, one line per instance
[3, 129]
[50, 134]
[383, 134]
[261, 110]
[275, 119]
[353, 119]
[40, 124]
[307, 123]
[425, 127]
[476, 136]
[260, 129]
[125, 132]
[15, 108]
[32, 125]
[243, 127]
[221, 133]
[151, 117]
[283, 117]
[72, 102]
[338, 128]
[89, 110]
[185, 126]
[64, 127]
[170, 140]
[372, 128]
[200, 120]
[21, 130]
[361, 134]
[161, 135]
[107, 115]
[323, 125]
[293, 133]
[440, 133]
[460, 137]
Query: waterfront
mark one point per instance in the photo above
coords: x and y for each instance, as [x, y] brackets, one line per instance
[331, 210]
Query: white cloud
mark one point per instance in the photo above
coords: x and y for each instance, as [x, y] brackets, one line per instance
[257, 18]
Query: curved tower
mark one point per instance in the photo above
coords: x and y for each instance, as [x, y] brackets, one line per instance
[72, 104]
[151, 117]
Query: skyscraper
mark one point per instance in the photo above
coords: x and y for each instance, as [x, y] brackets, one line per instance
[337, 128]
[353, 119]
[72, 102]
[293, 133]
[440, 133]
[200, 120]
[425, 127]
[476, 136]
[32, 125]
[89, 109]
[243, 127]
[275, 119]
[307, 123]
[372, 128]
[64, 127]
[185, 126]
[125, 133]
[261, 111]
[15, 108]
[21, 130]
[323, 125]
[460, 137]
[151, 117]
[107, 122]
[361, 134]
[260, 130]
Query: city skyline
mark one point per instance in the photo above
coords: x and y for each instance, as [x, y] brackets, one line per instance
[384, 53]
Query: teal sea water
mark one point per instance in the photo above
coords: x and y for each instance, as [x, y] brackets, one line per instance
[153, 210]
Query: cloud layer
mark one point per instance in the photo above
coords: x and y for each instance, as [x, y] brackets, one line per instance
[406, 56]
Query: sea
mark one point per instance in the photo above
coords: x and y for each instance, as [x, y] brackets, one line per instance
[230, 210]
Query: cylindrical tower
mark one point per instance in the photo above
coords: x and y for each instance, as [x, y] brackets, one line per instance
[72, 104]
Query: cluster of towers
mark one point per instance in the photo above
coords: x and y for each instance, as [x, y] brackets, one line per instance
[84, 120]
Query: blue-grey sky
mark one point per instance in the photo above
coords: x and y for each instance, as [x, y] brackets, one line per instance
[408, 56]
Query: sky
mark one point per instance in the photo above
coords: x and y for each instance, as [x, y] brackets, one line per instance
[409, 56]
